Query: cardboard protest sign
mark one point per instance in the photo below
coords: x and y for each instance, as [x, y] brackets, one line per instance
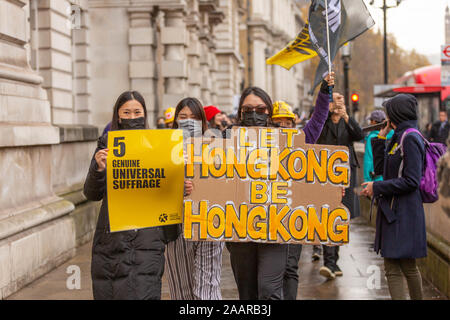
[145, 178]
[266, 185]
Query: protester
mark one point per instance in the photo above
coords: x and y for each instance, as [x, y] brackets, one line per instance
[259, 268]
[440, 129]
[160, 123]
[127, 264]
[283, 117]
[193, 267]
[341, 129]
[400, 225]
[226, 120]
[215, 118]
[169, 115]
[376, 117]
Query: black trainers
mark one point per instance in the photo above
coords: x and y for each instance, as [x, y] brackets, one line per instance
[337, 271]
[327, 273]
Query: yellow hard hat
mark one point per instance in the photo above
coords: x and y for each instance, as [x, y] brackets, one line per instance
[169, 115]
[282, 110]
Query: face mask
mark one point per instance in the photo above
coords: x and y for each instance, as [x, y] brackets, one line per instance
[191, 128]
[254, 119]
[161, 126]
[132, 124]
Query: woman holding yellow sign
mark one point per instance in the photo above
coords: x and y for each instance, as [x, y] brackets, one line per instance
[125, 264]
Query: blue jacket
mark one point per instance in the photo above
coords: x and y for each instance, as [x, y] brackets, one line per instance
[368, 156]
[400, 225]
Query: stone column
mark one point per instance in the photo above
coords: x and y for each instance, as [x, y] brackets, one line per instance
[174, 37]
[55, 57]
[228, 56]
[194, 52]
[28, 245]
[81, 64]
[141, 40]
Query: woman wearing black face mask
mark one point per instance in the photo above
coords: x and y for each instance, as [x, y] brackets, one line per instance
[128, 264]
[259, 268]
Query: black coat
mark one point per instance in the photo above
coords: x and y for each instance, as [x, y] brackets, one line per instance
[344, 134]
[400, 225]
[128, 264]
[436, 135]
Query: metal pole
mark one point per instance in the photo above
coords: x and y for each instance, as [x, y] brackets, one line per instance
[385, 49]
[347, 85]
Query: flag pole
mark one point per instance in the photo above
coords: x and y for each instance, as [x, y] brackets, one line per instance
[330, 88]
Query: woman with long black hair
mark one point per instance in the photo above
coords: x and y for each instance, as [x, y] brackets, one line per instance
[127, 264]
[259, 268]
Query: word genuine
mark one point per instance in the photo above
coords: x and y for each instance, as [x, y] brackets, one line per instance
[128, 174]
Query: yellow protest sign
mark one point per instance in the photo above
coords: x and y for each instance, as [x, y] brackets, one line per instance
[145, 178]
[266, 185]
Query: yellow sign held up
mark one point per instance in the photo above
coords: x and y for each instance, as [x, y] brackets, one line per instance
[145, 178]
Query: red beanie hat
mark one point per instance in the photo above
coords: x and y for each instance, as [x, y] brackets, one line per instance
[211, 111]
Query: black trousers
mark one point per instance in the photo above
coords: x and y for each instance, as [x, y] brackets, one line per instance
[258, 269]
[330, 256]
[290, 284]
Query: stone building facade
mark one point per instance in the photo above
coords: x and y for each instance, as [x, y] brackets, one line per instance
[62, 65]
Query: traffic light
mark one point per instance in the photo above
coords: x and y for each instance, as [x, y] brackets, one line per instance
[355, 102]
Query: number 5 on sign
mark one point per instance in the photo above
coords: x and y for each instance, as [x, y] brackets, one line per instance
[145, 178]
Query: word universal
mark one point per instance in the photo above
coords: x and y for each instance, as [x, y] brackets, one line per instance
[128, 174]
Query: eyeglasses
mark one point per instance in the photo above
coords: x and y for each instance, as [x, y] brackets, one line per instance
[258, 109]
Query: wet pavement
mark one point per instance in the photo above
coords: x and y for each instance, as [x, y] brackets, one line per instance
[360, 281]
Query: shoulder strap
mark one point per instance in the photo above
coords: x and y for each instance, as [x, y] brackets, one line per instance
[425, 141]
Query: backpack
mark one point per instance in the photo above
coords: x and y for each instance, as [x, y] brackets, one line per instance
[429, 183]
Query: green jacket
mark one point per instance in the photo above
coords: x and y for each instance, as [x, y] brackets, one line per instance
[368, 156]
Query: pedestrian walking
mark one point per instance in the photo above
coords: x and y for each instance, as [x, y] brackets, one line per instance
[259, 268]
[127, 264]
[440, 129]
[376, 117]
[193, 267]
[343, 130]
[400, 225]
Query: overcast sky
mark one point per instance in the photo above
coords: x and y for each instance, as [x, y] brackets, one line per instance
[416, 24]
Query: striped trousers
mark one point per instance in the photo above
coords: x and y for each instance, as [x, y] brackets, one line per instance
[193, 269]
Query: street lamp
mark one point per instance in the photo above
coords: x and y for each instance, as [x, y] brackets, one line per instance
[385, 52]
[346, 52]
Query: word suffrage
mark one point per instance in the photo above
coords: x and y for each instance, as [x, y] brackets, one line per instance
[266, 185]
[145, 178]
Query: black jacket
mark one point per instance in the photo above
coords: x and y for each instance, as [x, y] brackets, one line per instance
[436, 135]
[127, 264]
[345, 135]
[400, 226]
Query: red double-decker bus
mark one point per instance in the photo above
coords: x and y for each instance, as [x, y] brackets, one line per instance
[425, 84]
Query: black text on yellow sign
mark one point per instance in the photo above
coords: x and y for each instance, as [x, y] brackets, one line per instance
[145, 177]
